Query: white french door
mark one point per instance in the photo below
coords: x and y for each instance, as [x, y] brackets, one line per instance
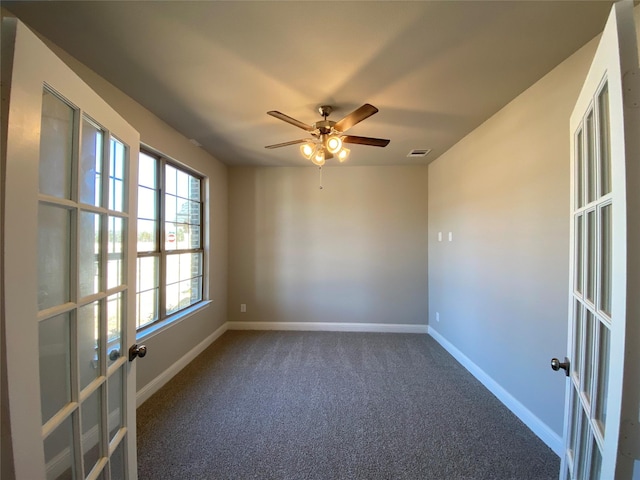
[69, 259]
[602, 388]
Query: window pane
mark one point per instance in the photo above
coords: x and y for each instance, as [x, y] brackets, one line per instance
[116, 411]
[89, 253]
[183, 184]
[603, 377]
[115, 251]
[55, 365]
[590, 158]
[54, 240]
[147, 273]
[605, 259]
[605, 141]
[147, 176]
[59, 452]
[588, 355]
[173, 298]
[591, 256]
[91, 430]
[147, 305]
[170, 236]
[116, 175]
[56, 146]
[88, 345]
[579, 253]
[194, 236]
[170, 208]
[579, 186]
[147, 234]
[194, 188]
[578, 320]
[147, 203]
[114, 327]
[170, 179]
[91, 163]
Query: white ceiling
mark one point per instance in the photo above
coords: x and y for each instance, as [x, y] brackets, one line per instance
[212, 69]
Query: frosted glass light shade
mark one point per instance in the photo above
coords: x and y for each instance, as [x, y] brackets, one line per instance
[344, 154]
[307, 150]
[318, 158]
[334, 144]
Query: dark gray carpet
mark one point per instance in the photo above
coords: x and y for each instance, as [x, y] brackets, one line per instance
[323, 405]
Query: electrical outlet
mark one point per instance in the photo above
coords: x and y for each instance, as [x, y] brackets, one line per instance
[437, 316]
[243, 308]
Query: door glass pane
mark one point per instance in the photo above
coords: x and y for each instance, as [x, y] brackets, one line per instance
[55, 365]
[596, 461]
[59, 453]
[91, 430]
[115, 251]
[89, 253]
[591, 256]
[578, 321]
[588, 355]
[579, 253]
[579, 160]
[117, 463]
[56, 146]
[54, 239]
[590, 157]
[91, 163]
[603, 377]
[88, 345]
[116, 420]
[114, 327]
[605, 141]
[605, 259]
[576, 409]
[583, 447]
[116, 175]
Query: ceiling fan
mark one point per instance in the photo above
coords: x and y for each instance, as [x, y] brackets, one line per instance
[329, 136]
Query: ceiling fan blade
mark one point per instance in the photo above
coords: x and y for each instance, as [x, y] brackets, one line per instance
[328, 155]
[292, 121]
[285, 144]
[374, 142]
[365, 111]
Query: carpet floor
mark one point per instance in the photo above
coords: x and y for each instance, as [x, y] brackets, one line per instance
[332, 405]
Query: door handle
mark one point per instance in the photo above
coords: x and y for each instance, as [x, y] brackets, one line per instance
[137, 351]
[557, 365]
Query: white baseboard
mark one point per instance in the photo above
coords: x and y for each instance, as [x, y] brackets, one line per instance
[328, 327]
[157, 383]
[537, 426]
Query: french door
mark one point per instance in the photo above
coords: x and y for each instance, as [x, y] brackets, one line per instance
[602, 388]
[69, 306]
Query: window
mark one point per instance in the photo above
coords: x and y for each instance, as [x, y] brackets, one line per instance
[170, 246]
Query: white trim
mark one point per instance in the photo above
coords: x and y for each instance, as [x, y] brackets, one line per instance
[537, 426]
[329, 327]
[157, 383]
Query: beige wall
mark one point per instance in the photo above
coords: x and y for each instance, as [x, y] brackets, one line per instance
[501, 286]
[168, 346]
[354, 251]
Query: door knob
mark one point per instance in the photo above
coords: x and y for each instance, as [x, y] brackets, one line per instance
[557, 365]
[137, 351]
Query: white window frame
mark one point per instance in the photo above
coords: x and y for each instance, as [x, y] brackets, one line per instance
[163, 321]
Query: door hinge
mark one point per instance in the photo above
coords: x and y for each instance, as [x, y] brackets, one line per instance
[631, 88]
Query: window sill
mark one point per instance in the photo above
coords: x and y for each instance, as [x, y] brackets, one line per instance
[170, 321]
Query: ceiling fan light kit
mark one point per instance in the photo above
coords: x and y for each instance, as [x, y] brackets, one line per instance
[329, 138]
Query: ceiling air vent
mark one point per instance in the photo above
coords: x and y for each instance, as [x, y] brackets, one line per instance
[419, 152]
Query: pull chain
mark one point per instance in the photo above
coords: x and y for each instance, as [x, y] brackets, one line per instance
[320, 168]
